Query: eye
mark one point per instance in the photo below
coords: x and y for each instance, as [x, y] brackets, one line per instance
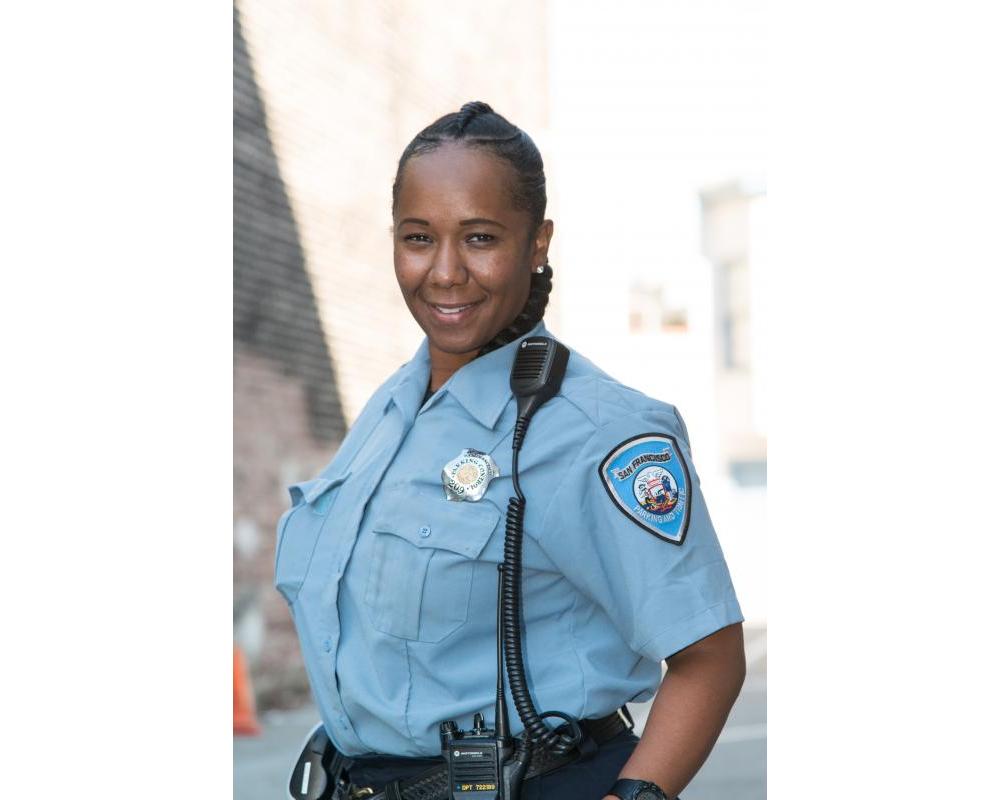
[480, 238]
[417, 237]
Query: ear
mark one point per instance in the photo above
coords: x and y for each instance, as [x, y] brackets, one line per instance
[540, 247]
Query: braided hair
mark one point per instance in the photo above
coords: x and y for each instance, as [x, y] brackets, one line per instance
[478, 125]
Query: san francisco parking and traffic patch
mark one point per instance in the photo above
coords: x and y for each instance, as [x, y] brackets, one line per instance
[647, 479]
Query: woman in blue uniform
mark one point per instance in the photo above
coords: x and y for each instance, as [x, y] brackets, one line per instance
[388, 559]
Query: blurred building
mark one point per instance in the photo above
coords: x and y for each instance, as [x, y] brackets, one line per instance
[672, 106]
[732, 241]
[327, 94]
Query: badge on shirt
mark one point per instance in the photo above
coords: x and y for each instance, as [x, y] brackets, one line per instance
[648, 481]
[467, 476]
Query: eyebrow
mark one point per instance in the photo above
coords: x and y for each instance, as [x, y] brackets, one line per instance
[481, 221]
[473, 221]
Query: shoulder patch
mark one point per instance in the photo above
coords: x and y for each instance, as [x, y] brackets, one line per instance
[646, 478]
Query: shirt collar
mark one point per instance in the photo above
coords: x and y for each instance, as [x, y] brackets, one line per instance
[411, 384]
[482, 386]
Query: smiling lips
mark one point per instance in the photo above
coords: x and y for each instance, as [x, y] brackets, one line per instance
[452, 314]
[453, 310]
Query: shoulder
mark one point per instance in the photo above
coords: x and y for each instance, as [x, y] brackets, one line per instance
[378, 399]
[629, 464]
[606, 407]
[367, 420]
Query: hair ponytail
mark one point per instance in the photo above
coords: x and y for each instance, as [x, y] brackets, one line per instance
[531, 314]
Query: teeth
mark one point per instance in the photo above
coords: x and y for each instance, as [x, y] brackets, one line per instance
[453, 310]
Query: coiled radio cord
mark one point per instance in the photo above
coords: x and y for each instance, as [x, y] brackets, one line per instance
[534, 723]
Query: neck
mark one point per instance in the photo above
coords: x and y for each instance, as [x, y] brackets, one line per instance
[444, 365]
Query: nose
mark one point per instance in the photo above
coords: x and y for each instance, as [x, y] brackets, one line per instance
[447, 267]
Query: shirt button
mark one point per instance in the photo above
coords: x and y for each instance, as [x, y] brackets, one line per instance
[327, 645]
[425, 531]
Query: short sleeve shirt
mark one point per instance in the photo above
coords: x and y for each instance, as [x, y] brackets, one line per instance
[393, 586]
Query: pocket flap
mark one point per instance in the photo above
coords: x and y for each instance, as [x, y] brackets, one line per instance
[310, 491]
[426, 521]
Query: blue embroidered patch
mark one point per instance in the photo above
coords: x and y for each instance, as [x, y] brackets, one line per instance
[648, 481]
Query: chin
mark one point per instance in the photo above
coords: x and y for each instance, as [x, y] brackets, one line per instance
[457, 341]
[457, 344]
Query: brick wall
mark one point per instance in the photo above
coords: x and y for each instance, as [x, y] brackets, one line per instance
[326, 95]
[286, 407]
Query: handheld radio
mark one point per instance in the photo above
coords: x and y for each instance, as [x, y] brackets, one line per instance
[486, 763]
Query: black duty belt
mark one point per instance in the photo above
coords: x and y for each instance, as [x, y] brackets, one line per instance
[432, 784]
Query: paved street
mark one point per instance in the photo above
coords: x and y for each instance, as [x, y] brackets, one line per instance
[734, 771]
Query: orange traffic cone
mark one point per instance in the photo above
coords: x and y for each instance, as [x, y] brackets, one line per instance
[244, 706]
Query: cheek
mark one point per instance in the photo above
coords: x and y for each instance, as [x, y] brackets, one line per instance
[409, 272]
[517, 281]
[502, 275]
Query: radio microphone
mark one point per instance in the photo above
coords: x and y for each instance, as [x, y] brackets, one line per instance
[536, 376]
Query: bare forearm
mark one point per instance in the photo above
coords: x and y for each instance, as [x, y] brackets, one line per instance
[689, 712]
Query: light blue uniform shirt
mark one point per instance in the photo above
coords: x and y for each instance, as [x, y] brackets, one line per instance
[393, 587]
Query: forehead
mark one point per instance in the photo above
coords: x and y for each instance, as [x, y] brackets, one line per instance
[456, 179]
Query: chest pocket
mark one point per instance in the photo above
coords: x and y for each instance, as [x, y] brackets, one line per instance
[299, 529]
[423, 559]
